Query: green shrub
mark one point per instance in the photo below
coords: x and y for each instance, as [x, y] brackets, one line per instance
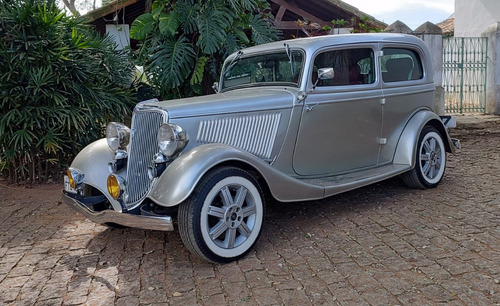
[60, 83]
[184, 42]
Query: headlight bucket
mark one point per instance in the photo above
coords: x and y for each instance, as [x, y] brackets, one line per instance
[172, 139]
[117, 135]
[75, 177]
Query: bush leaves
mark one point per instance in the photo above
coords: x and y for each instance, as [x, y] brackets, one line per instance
[60, 83]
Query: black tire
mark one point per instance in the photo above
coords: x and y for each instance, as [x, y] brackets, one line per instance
[430, 162]
[222, 219]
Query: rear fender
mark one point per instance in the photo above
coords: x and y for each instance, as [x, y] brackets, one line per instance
[407, 145]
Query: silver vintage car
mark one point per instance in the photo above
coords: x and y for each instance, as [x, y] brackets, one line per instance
[294, 120]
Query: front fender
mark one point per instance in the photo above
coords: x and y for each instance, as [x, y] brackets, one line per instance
[93, 162]
[407, 145]
[180, 178]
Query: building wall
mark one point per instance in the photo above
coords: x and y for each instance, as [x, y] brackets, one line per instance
[472, 17]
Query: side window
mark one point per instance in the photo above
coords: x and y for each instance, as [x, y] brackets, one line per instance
[401, 65]
[351, 67]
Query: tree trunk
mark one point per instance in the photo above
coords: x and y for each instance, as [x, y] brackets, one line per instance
[70, 4]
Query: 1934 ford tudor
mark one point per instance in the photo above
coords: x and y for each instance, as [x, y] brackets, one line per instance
[293, 120]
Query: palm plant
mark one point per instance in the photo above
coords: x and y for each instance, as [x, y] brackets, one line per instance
[183, 42]
[59, 84]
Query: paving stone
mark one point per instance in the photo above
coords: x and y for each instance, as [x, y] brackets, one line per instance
[294, 297]
[266, 296]
[383, 244]
[127, 301]
[209, 286]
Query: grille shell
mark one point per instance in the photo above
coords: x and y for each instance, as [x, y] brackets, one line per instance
[143, 146]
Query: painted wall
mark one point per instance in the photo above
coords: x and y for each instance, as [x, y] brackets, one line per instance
[472, 17]
[493, 69]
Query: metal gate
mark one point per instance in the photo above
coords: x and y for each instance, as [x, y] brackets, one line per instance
[464, 74]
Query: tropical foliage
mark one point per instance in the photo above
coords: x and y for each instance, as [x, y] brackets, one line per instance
[59, 84]
[183, 42]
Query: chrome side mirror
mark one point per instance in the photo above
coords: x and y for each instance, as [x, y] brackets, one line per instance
[215, 87]
[324, 74]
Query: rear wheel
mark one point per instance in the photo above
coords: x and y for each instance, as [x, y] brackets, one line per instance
[430, 161]
[222, 219]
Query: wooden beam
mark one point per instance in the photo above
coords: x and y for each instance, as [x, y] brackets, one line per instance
[280, 14]
[292, 7]
[108, 9]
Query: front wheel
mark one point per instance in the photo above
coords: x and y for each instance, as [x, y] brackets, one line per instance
[430, 161]
[222, 219]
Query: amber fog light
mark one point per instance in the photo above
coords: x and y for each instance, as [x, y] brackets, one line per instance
[70, 179]
[75, 177]
[115, 186]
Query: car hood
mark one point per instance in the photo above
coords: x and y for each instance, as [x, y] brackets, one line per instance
[235, 101]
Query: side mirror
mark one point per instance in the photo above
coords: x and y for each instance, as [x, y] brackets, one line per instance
[326, 74]
[215, 87]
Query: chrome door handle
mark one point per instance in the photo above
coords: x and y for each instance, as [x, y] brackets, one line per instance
[310, 108]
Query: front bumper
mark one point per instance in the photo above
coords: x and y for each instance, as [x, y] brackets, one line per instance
[158, 223]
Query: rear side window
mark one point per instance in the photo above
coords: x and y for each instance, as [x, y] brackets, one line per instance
[401, 65]
[351, 67]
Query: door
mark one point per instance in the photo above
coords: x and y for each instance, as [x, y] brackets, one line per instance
[341, 120]
[407, 87]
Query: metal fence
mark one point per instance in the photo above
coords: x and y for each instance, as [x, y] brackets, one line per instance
[464, 74]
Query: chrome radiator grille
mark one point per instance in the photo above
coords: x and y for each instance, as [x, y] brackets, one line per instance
[143, 146]
[255, 134]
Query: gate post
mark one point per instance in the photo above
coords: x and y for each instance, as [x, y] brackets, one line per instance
[493, 69]
[432, 35]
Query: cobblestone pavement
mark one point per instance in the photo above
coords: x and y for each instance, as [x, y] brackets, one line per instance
[380, 245]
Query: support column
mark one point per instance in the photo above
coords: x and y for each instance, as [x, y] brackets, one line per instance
[493, 69]
[432, 35]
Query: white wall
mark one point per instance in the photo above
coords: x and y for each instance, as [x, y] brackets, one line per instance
[120, 33]
[472, 17]
[435, 44]
[493, 69]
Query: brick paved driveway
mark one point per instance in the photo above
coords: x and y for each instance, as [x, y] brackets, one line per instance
[383, 244]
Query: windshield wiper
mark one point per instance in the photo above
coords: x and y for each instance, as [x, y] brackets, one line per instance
[233, 62]
[290, 57]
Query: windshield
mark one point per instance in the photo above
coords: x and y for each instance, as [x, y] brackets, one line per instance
[264, 69]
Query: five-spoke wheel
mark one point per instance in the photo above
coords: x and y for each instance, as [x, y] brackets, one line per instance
[223, 217]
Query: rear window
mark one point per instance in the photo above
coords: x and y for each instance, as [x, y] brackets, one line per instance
[400, 65]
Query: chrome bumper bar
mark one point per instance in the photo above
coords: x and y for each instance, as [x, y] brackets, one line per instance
[163, 223]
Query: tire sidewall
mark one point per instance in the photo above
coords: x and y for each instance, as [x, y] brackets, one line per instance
[206, 194]
[427, 133]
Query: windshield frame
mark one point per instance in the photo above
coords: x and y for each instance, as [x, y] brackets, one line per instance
[242, 56]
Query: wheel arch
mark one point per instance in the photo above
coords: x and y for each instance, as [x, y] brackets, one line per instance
[407, 144]
[93, 162]
[181, 177]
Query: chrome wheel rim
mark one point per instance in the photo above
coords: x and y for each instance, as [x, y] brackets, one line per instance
[432, 157]
[231, 216]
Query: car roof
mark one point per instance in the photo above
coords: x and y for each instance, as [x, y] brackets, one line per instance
[315, 43]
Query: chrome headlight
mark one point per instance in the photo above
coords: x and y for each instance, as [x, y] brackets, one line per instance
[117, 135]
[172, 139]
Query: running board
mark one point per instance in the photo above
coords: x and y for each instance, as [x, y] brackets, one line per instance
[344, 182]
